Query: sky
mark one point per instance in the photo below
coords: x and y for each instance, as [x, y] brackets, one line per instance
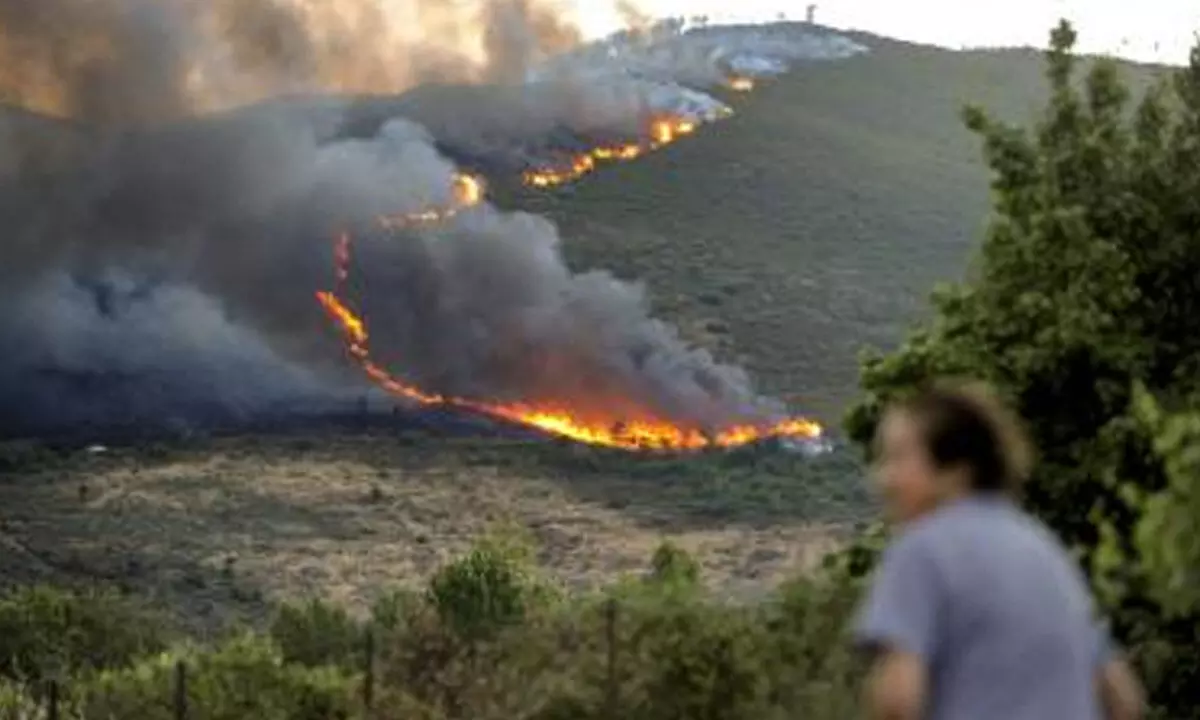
[1145, 30]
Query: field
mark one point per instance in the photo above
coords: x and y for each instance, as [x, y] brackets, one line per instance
[810, 225]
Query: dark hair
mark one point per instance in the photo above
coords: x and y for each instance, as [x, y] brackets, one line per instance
[966, 425]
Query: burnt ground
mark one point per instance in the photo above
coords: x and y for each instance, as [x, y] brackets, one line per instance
[218, 530]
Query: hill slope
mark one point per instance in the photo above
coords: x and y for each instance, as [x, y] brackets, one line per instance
[816, 220]
[809, 225]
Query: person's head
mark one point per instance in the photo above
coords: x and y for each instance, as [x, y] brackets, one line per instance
[944, 442]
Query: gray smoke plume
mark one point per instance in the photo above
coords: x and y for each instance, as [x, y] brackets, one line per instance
[159, 266]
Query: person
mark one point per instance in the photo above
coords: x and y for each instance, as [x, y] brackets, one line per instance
[976, 610]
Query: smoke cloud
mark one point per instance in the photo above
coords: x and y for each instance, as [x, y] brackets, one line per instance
[158, 261]
[120, 61]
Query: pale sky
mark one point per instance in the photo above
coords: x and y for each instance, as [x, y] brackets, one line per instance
[1148, 30]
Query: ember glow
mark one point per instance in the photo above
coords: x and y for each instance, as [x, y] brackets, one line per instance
[466, 192]
[741, 84]
[662, 132]
[639, 434]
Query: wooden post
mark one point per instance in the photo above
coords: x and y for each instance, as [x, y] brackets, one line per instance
[180, 691]
[613, 694]
[52, 700]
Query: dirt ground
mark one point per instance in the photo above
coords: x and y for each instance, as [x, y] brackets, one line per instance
[218, 533]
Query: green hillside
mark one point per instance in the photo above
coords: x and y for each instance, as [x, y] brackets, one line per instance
[817, 219]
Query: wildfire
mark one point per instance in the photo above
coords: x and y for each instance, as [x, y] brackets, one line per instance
[741, 84]
[632, 435]
[662, 131]
[466, 192]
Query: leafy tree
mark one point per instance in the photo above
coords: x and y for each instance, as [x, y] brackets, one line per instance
[1087, 283]
[490, 588]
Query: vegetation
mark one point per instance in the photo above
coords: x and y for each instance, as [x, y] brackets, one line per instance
[1083, 309]
[815, 220]
[487, 640]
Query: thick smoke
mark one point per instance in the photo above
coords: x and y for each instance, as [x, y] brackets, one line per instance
[158, 266]
[119, 61]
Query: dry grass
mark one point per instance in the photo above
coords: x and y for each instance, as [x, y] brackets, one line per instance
[218, 533]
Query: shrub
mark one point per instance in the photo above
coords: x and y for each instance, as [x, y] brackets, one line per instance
[653, 648]
[17, 704]
[316, 633]
[488, 589]
[48, 632]
[672, 565]
[245, 677]
[391, 610]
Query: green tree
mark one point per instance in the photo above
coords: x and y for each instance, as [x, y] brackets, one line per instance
[490, 588]
[1166, 536]
[1086, 284]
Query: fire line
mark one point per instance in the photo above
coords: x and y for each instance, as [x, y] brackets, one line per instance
[662, 131]
[468, 192]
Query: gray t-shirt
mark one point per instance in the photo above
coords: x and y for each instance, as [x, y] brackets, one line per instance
[998, 610]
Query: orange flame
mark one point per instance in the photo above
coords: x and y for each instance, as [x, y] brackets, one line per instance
[466, 192]
[662, 131]
[638, 434]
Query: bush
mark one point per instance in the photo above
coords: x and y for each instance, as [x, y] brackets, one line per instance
[487, 641]
[244, 678]
[49, 632]
[17, 704]
[672, 565]
[316, 633]
[489, 589]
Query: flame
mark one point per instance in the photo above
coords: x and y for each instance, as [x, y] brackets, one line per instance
[741, 84]
[662, 131]
[639, 434]
[466, 192]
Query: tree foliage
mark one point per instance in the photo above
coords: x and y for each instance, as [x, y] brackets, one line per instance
[1087, 285]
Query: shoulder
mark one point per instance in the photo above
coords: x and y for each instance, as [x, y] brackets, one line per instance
[929, 544]
[922, 538]
[914, 550]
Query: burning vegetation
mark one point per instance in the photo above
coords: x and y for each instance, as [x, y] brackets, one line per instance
[662, 132]
[645, 432]
[641, 434]
[157, 299]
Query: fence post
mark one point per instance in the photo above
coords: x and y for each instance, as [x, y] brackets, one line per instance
[180, 690]
[610, 631]
[52, 700]
[369, 668]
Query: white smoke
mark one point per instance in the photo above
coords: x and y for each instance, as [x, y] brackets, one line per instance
[676, 63]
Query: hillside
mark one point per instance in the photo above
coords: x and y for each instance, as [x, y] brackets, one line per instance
[811, 224]
[814, 222]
